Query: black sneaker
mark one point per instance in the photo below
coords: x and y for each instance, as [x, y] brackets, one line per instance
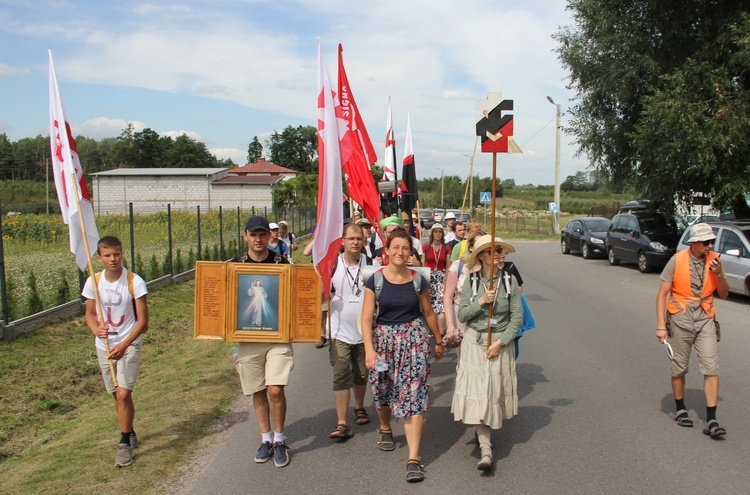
[280, 454]
[264, 452]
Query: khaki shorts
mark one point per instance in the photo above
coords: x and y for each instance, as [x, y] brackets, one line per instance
[260, 365]
[704, 342]
[126, 368]
[348, 361]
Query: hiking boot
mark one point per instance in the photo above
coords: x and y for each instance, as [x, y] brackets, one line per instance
[124, 455]
[264, 452]
[133, 440]
[280, 454]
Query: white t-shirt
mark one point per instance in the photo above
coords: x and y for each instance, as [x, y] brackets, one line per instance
[347, 300]
[118, 305]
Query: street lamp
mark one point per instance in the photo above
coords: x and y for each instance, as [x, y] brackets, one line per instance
[557, 166]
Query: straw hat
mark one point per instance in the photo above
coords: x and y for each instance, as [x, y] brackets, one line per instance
[482, 244]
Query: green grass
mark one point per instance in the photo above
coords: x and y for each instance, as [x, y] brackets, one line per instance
[58, 427]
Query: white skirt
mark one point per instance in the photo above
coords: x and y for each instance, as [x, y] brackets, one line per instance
[486, 390]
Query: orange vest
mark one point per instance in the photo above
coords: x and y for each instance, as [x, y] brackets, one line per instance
[682, 292]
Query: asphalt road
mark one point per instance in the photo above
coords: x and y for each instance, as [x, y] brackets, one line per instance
[595, 411]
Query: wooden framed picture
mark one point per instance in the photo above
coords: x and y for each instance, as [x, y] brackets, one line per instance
[255, 302]
[258, 302]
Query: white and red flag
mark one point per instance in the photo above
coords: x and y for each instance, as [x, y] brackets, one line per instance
[409, 195]
[66, 166]
[357, 171]
[330, 221]
[389, 161]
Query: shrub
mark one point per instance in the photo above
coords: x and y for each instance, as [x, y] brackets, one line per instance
[62, 290]
[33, 301]
[178, 267]
[191, 259]
[153, 268]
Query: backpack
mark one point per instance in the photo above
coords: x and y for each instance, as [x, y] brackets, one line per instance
[416, 280]
[98, 276]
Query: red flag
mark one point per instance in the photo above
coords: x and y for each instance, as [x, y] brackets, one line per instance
[330, 221]
[389, 165]
[65, 163]
[359, 180]
[409, 195]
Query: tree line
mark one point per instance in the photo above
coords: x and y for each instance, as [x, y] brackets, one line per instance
[662, 95]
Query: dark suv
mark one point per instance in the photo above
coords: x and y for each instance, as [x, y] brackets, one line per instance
[648, 238]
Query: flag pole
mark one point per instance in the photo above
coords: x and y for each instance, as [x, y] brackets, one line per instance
[97, 298]
[471, 173]
[492, 245]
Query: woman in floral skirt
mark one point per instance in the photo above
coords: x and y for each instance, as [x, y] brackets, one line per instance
[398, 338]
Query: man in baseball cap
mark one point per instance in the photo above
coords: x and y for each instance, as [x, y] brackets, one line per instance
[264, 368]
[685, 313]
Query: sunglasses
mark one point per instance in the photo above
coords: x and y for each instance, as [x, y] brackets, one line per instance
[709, 243]
[670, 352]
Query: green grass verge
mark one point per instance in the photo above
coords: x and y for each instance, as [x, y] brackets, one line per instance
[58, 427]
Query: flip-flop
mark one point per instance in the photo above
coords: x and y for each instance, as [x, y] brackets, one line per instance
[682, 419]
[713, 429]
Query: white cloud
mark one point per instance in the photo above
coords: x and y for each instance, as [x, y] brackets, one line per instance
[175, 134]
[8, 71]
[104, 127]
[238, 156]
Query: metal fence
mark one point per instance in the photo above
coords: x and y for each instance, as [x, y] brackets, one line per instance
[162, 249]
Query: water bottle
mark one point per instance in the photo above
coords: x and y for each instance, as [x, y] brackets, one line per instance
[381, 365]
[233, 351]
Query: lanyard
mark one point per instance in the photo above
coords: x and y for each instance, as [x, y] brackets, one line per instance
[353, 280]
[437, 255]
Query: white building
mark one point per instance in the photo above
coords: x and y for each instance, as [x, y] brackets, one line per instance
[151, 189]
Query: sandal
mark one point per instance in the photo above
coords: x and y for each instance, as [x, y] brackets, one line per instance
[682, 419]
[341, 432]
[713, 429]
[386, 440]
[414, 471]
[362, 417]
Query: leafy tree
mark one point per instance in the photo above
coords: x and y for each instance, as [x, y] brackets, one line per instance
[298, 191]
[31, 156]
[662, 95]
[509, 182]
[254, 150]
[90, 154]
[577, 182]
[295, 148]
[186, 152]
[124, 153]
[152, 150]
[7, 163]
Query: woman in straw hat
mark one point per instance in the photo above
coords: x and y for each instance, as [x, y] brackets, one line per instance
[485, 391]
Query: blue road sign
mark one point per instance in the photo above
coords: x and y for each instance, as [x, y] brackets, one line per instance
[485, 198]
[553, 208]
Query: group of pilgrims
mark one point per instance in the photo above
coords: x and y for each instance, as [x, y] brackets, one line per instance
[383, 311]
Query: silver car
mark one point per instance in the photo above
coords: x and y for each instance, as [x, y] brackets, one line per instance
[733, 243]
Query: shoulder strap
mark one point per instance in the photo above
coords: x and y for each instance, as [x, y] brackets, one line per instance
[291, 238]
[131, 278]
[368, 260]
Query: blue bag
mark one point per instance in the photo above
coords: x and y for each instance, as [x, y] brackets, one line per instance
[528, 321]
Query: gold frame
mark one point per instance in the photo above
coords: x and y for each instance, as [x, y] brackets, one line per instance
[297, 297]
[279, 290]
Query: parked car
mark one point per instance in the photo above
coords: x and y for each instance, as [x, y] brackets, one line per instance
[425, 218]
[733, 243]
[647, 238]
[465, 217]
[437, 214]
[585, 235]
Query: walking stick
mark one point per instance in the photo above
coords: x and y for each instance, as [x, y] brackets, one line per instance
[97, 299]
[492, 245]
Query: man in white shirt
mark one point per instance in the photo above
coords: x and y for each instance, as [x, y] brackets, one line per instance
[450, 223]
[346, 349]
[122, 297]
[287, 238]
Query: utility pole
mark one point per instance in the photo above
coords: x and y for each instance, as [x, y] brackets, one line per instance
[557, 165]
[442, 187]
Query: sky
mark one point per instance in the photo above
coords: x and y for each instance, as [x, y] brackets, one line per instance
[223, 72]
